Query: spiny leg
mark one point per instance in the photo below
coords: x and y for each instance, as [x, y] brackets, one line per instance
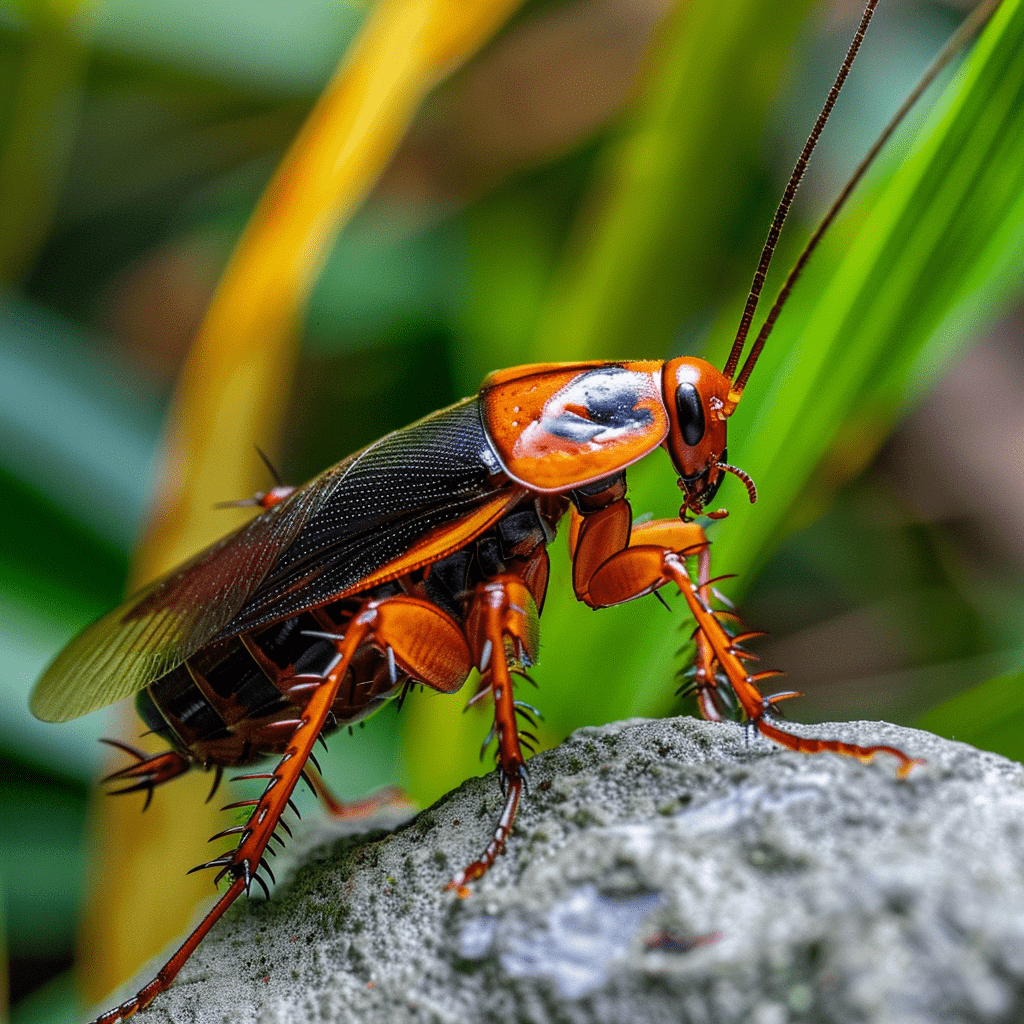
[598, 536]
[715, 696]
[713, 702]
[420, 640]
[756, 707]
[648, 563]
[148, 771]
[170, 970]
[502, 615]
[244, 862]
[660, 564]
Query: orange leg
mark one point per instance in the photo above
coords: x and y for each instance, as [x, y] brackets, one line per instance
[147, 772]
[169, 971]
[502, 625]
[707, 681]
[356, 810]
[596, 536]
[675, 535]
[426, 644]
[244, 862]
[655, 556]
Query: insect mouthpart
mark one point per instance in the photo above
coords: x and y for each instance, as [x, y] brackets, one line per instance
[700, 489]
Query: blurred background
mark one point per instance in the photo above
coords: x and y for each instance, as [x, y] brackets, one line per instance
[594, 181]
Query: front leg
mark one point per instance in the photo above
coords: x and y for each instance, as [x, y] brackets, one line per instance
[596, 536]
[614, 563]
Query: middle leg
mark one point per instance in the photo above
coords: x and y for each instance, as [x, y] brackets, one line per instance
[503, 631]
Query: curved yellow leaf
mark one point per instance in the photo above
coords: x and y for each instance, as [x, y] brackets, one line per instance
[231, 396]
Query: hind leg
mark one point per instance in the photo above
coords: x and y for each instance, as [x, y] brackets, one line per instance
[356, 810]
[148, 771]
[426, 644]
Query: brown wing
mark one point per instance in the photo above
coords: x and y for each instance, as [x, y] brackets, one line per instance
[404, 501]
[155, 630]
[559, 426]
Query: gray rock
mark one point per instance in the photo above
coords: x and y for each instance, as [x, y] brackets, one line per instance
[660, 871]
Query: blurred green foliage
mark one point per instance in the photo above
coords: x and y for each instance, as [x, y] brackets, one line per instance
[886, 302]
[633, 238]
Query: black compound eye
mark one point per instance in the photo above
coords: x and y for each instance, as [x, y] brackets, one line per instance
[690, 413]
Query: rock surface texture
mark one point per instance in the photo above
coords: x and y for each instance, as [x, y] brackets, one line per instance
[660, 871]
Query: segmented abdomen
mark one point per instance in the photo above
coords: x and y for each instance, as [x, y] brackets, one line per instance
[230, 702]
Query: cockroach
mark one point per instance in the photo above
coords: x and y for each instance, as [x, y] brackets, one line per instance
[422, 557]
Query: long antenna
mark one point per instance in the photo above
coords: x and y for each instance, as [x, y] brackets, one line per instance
[787, 197]
[970, 25]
